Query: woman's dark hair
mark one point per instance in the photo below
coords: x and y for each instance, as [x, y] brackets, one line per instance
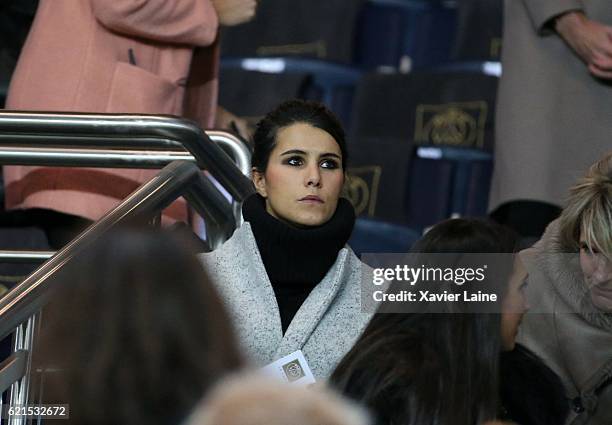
[431, 368]
[292, 112]
[138, 331]
[467, 235]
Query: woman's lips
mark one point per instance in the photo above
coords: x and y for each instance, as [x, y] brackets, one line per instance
[312, 199]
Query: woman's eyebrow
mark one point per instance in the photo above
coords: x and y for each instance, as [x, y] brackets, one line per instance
[293, 152]
[301, 152]
[335, 155]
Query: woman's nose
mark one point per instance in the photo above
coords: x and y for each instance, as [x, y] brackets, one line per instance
[313, 176]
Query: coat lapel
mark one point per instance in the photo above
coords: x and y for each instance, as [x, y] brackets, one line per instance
[314, 308]
[249, 295]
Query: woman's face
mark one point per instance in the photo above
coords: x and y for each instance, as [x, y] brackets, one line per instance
[514, 305]
[597, 272]
[304, 176]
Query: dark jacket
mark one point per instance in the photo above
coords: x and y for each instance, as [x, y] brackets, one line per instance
[530, 392]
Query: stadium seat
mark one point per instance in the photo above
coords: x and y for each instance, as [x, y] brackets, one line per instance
[374, 236]
[430, 186]
[253, 86]
[479, 31]
[321, 30]
[430, 108]
[378, 176]
[449, 182]
[405, 34]
[444, 123]
[250, 93]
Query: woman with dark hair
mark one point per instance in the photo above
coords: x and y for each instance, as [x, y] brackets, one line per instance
[286, 275]
[138, 330]
[439, 364]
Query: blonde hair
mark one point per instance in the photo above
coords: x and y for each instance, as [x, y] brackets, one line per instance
[589, 209]
[255, 400]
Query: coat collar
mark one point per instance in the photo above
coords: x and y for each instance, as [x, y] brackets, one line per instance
[563, 270]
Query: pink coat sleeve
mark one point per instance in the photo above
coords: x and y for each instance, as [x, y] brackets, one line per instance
[192, 22]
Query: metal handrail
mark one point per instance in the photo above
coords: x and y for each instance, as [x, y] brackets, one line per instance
[231, 144]
[124, 141]
[240, 153]
[25, 256]
[176, 179]
[122, 129]
[83, 157]
[104, 140]
[116, 158]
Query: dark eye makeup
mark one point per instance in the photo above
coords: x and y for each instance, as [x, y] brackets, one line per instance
[295, 161]
[327, 163]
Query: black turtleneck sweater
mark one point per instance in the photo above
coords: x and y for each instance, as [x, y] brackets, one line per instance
[296, 259]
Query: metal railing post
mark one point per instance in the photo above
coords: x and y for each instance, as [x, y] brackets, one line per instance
[23, 340]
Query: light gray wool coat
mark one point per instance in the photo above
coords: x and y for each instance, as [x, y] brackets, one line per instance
[324, 328]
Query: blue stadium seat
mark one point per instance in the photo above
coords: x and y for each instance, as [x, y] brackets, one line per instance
[374, 236]
[442, 107]
[378, 176]
[327, 82]
[430, 184]
[458, 181]
[405, 34]
[430, 135]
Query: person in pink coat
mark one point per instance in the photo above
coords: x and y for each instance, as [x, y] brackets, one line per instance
[116, 56]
